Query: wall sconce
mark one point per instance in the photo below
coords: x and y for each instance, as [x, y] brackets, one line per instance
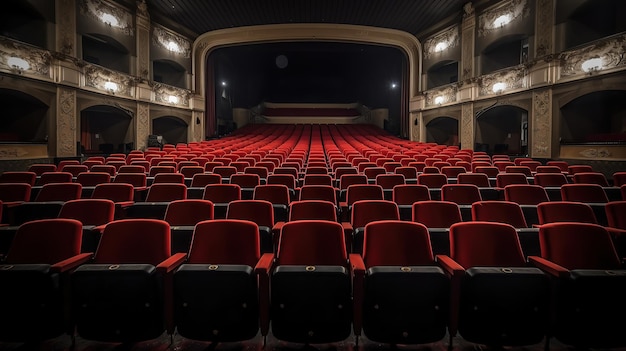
[498, 87]
[18, 64]
[109, 19]
[439, 100]
[110, 87]
[172, 99]
[592, 65]
[442, 45]
[172, 46]
[502, 20]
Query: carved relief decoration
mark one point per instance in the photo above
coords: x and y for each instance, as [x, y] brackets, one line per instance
[164, 38]
[66, 123]
[449, 37]
[543, 33]
[467, 125]
[112, 15]
[467, 54]
[513, 79]
[595, 153]
[441, 96]
[66, 27]
[96, 77]
[170, 95]
[20, 58]
[541, 124]
[515, 9]
[611, 51]
[143, 124]
[143, 53]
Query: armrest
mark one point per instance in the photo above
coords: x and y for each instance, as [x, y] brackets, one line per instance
[358, 283]
[124, 204]
[450, 266]
[263, 269]
[71, 263]
[548, 266]
[172, 262]
[264, 266]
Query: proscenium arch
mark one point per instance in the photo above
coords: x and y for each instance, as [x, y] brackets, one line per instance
[404, 41]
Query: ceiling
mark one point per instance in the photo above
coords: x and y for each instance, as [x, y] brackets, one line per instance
[200, 16]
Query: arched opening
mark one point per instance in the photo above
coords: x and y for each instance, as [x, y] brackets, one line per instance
[173, 129]
[24, 118]
[105, 129]
[580, 22]
[595, 117]
[502, 130]
[443, 131]
[169, 72]
[442, 73]
[506, 52]
[105, 51]
[19, 20]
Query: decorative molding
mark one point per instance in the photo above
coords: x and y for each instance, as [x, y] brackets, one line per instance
[544, 27]
[143, 53]
[467, 125]
[467, 48]
[142, 9]
[516, 9]
[143, 124]
[596, 153]
[163, 93]
[163, 38]
[447, 94]
[66, 27]
[515, 78]
[38, 60]
[611, 50]
[66, 123]
[450, 37]
[96, 77]
[96, 9]
[541, 124]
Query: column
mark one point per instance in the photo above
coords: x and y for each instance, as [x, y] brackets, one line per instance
[142, 125]
[540, 143]
[467, 126]
[66, 123]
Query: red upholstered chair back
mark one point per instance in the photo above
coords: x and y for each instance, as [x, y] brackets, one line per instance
[366, 211]
[351, 179]
[432, 180]
[359, 192]
[525, 194]
[89, 211]
[15, 192]
[388, 181]
[55, 177]
[396, 243]
[18, 177]
[225, 241]
[260, 212]
[276, 194]
[478, 179]
[204, 179]
[436, 214]
[475, 244]
[312, 242]
[616, 214]
[45, 241]
[116, 192]
[165, 192]
[312, 209]
[319, 192]
[135, 179]
[588, 193]
[222, 193]
[172, 178]
[565, 211]
[578, 246]
[504, 179]
[93, 178]
[499, 211]
[550, 179]
[407, 194]
[188, 212]
[59, 192]
[462, 194]
[245, 180]
[134, 241]
[40, 168]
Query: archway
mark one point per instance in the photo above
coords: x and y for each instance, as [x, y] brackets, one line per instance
[502, 130]
[24, 117]
[105, 129]
[595, 117]
[105, 51]
[443, 131]
[173, 129]
[169, 72]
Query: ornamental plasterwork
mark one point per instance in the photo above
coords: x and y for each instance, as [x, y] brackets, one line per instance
[595, 153]
[14, 56]
[66, 123]
[441, 96]
[100, 11]
[170, 95]
[467, 125]
[544, 27]
[611, 51]
[512, 79]
[449, 38]
[96, 77]
[143, 124]
[515, 9]
[164, 38]
[541, 124]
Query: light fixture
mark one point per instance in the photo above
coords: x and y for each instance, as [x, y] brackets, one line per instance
[393, 85]
[18, 64]
[498, 87]
[502, 20]
[173, 99]
[109, 19]
[111, 87]
[223, 83]
[439, 100]
[172, 46]
[593, 64]
[442, 45]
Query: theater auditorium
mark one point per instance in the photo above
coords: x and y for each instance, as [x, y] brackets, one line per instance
[312, 175]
